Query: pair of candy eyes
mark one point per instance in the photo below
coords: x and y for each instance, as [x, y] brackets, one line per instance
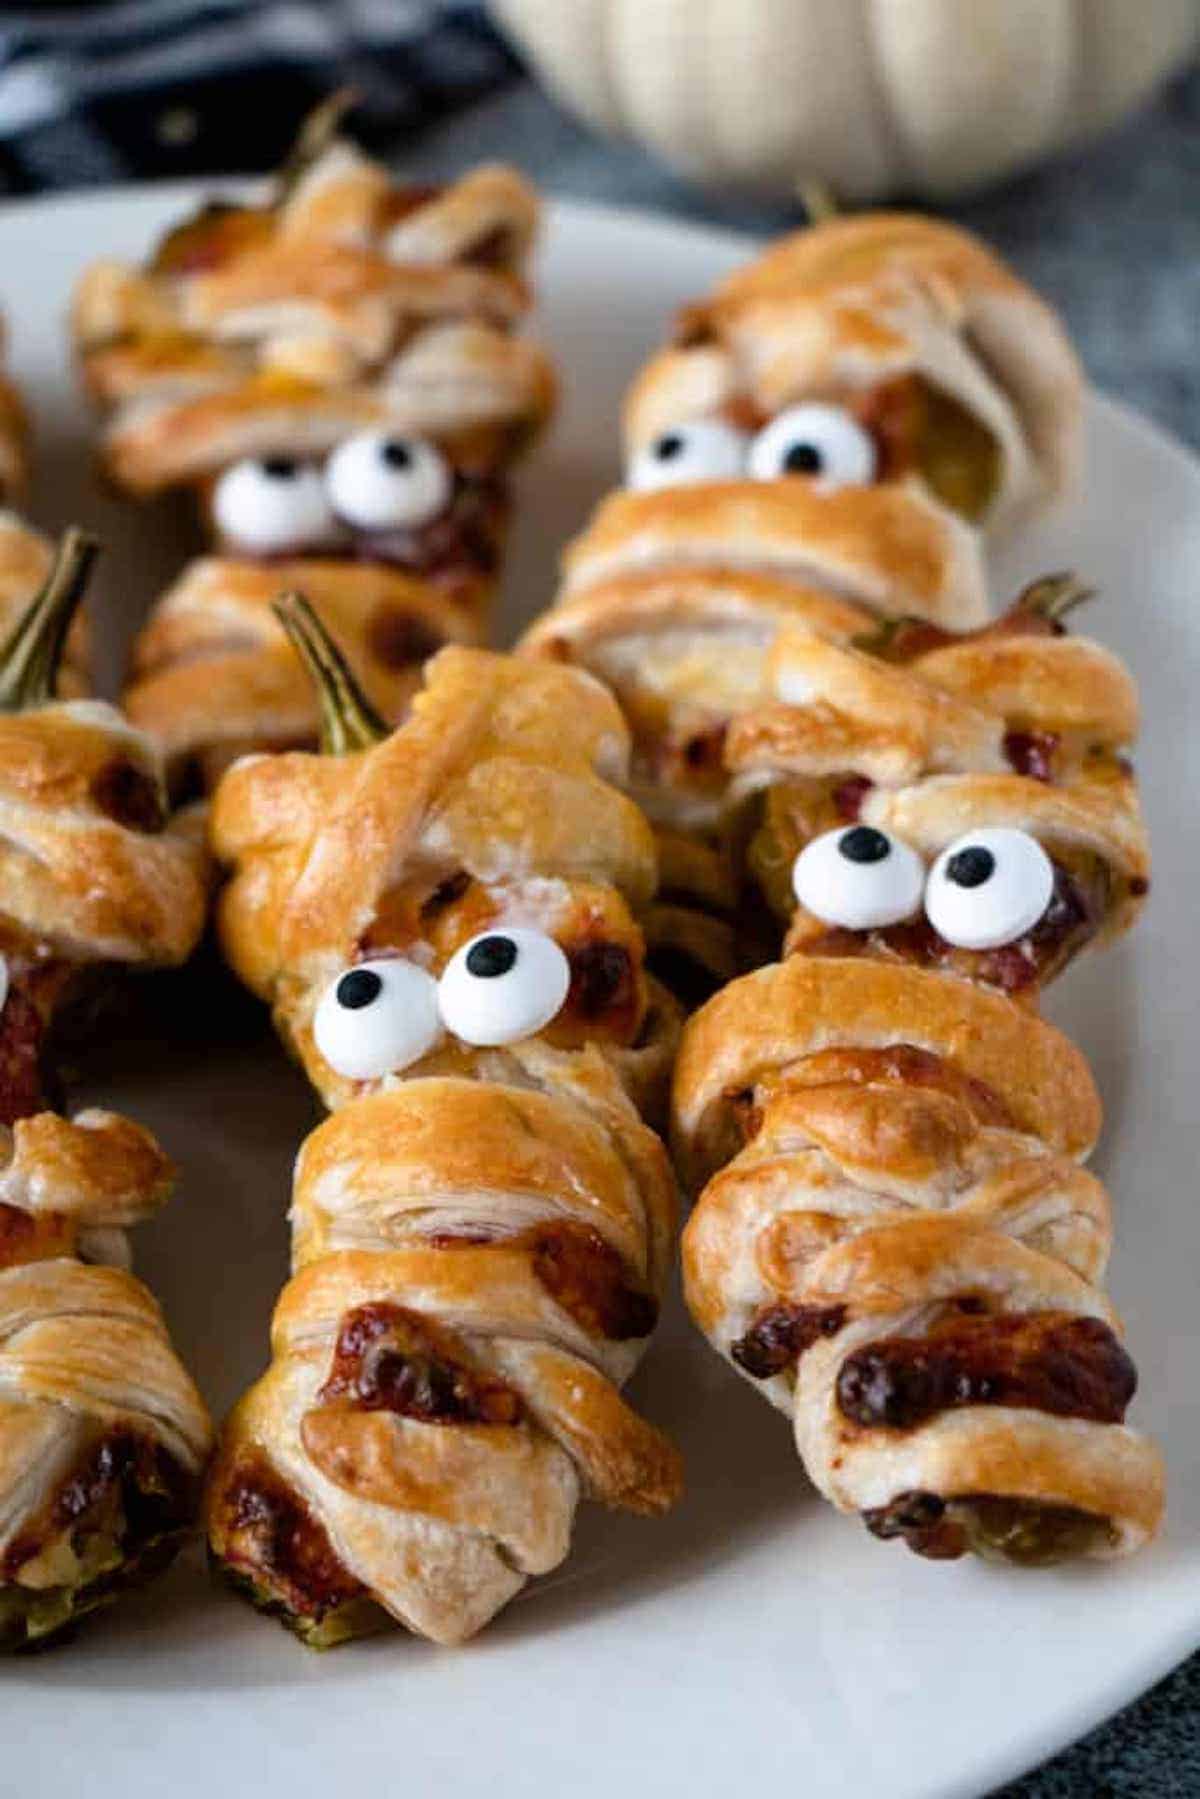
[380, 1016]
[824, 443]
[375, 481]
[986, 889]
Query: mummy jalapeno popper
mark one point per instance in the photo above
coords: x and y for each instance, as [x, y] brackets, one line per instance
[894, 1238]
[103, 1436]
[336, 374]
[825, 444]
[443, 921]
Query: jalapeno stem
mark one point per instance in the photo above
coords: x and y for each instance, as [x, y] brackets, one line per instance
[29, 661]
[313, 139]
[876, 642]
[349, 722]
[1053, 596]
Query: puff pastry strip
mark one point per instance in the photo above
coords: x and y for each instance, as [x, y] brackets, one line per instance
[103, 1436]
[481, 1233]
[893, 1236]
[337, 375]
[822, 446]
[1016, 726]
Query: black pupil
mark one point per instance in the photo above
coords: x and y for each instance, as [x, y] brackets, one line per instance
[491, 956]
[668, 447]
[358, 988]
[862, 843]
[971, 867]
[280, 468]
[396, 453]
[803, 459]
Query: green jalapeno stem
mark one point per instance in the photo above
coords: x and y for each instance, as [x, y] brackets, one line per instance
[1050, 597]
[349, 722]
[30, 660]
[1053, 596]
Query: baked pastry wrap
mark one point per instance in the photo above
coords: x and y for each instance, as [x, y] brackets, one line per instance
[103, 1436]
[894, 1237]
[336, 373]
[824, 443]
[443, 921]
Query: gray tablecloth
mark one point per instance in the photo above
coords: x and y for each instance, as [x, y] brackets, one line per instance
[1112, 236]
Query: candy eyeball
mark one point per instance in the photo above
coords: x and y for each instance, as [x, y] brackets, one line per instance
[825, 443]
[272, 503]
[377, 1018]
[704, 450]
[502, 986]
[859, 878]
[988, 888]
[385, 481]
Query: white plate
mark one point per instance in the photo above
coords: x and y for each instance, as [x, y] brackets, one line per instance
[755, 1640]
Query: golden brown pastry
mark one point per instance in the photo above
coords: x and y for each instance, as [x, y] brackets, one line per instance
[822, 445]
[337, 375]
[443, 922]
[93, 870]
[102, 1434]
[103, 1437]
[894, 1238]
[926, 737]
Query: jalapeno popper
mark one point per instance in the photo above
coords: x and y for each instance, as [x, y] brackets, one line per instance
[336, 373]
[103, 1437]
[825, 443]
[894, 1239]
[443, 922]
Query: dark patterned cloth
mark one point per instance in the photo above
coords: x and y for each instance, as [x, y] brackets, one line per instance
[140, 88]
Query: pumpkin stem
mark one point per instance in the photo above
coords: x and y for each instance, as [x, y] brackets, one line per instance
[818, 199]
[1053, 596]
[312, 140]
[349, 722]
[29, 661]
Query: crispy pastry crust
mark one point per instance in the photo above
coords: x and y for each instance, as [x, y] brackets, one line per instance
[892, 1155]
[78, 869]
[887, 547]
[851, 302]
[502, 771]
[935, 738]
[442, 1522]
[495, 1224]
[349, 302]
[793, 1009]
[214, 675]
[103, 1436]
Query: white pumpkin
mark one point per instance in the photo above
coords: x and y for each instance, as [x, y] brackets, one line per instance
[867, 96]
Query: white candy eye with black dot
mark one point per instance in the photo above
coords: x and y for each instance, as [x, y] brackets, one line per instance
[269, 504]
[385, 481]
[502, 986]
[377, 1018]
[704, 450]
[989, 888]
[823, 443]
[859, 878]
